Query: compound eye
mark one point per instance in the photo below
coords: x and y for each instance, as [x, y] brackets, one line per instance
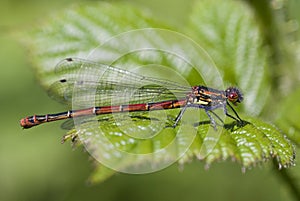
[233, 97]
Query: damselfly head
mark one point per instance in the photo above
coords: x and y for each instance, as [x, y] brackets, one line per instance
[234, 95]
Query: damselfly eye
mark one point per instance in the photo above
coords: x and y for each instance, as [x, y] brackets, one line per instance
[234, 95]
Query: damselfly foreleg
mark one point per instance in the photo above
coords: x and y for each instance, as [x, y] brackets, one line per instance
[236, 114]
[208, 109]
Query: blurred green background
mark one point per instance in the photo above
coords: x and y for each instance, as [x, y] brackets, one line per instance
[35, 166]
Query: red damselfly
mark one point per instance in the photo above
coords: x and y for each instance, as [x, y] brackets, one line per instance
[146, 93]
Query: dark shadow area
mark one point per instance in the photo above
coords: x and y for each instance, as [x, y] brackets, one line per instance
[229, 126]
[236, 125]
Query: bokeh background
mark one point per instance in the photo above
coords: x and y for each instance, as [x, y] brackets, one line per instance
[35, 166]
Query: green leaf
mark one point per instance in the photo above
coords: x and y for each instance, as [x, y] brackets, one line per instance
[77, 31]
[288, 116]
[229, 32]
[250, 144]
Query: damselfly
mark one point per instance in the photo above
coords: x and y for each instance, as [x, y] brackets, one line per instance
[146, 93]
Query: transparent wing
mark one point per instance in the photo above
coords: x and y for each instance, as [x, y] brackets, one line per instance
[99, 84]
